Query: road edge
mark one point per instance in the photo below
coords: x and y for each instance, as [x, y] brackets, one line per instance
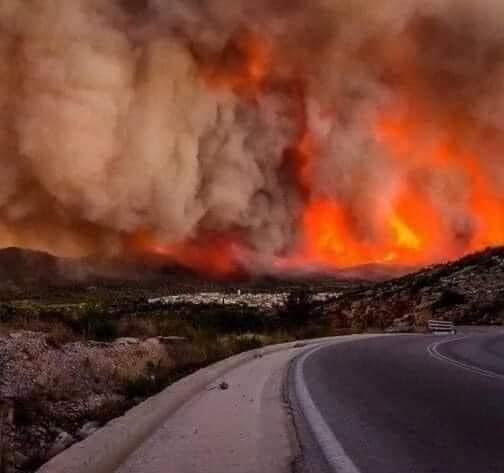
[107, 449]
[312, 433]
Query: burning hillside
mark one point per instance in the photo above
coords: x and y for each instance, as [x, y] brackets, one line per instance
[266, 135]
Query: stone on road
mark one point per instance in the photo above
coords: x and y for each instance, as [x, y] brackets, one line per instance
[241, 429]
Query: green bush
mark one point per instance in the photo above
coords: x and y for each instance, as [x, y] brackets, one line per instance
[27, 411]
[156, 377]
[139, 387]
[225, 319]
[94, 324]
[7, 313]
[299, 310]
[241, 344]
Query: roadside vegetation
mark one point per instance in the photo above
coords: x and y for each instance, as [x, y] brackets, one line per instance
[68, 366]
[218, 329]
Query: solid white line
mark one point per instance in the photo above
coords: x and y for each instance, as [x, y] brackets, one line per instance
[334, 452]
[433, 351]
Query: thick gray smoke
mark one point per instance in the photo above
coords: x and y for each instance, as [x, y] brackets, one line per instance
[110, 126]
[106, 122]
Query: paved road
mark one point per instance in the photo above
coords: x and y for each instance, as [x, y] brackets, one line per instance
[406, 404]
[242, 429]
[194, 426]
[245, 428]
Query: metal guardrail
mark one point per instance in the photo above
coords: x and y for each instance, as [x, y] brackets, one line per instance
[442, 326]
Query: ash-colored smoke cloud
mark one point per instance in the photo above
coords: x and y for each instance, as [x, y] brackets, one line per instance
[108, 126]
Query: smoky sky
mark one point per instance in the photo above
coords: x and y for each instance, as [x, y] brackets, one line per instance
[109, 125]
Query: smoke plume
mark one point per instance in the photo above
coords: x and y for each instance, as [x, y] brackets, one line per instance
[276, 133]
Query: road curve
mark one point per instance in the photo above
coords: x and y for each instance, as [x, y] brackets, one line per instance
[245, 428]
[406, 404]
[194, 426]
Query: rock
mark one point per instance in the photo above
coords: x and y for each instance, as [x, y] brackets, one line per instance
[172, 340]
[88, 429]
[62, 442]
[223, 386]
[405, 319]
[127, 341]
[41, 431]
[402, 324]
[96, 344]
[399, 329]
[347, 313]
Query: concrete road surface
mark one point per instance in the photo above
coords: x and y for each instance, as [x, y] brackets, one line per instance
[242, 429]
[405, 404]
[245, 428]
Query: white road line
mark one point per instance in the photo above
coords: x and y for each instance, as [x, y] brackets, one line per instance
[334, 452]
[434, 353]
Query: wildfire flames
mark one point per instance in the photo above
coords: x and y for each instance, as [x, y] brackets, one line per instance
[275, 136]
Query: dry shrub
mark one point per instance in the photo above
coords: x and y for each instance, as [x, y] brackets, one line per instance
[59, 335]
[137, 327]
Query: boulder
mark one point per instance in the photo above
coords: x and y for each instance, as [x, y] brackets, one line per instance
[172, 340]
[127, 341]
[62, 442]
[88, 429]
[402, 324]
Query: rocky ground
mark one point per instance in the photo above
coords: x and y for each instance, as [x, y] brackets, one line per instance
[66, 369]
[468, 291]
[51, 395]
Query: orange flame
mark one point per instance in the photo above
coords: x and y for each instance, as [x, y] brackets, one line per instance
[329, 239]
[412, 230]
[409, 228]
[422, 150]
[214, 255]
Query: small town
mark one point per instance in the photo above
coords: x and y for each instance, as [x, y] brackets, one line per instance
[257, 300]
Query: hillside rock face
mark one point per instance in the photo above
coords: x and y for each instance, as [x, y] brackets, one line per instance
[469, 291]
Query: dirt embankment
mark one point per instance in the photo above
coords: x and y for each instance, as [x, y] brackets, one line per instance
[52, 396]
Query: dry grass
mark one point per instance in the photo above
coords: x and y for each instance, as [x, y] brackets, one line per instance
[121, 377]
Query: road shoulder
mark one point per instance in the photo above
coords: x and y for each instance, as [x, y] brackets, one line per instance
[319, 450]
[111, 446]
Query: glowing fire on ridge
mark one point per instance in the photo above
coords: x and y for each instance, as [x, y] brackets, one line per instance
[215, 255]
[410, 231]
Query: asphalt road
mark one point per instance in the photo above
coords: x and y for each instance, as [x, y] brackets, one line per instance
[406, 404]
